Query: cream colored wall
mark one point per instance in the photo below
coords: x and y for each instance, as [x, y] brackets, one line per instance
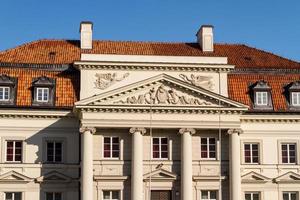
[33, 132]
[122, 166]
[270, 134]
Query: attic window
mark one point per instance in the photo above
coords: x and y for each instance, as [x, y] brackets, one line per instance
[260, 94]
[292, 93]
[43, 89]
[8, 87]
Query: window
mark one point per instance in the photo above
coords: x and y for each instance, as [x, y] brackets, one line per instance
[42, 94]
[53, 196]
[251, 152]
[289, 196]
[208, 148]
[13, 196]
[296, 98]
[288, 153]
[262, 98]
[111, 147]
[8, 87]
[4, 93]
[111, 195]
[43, 90]
[208, 195]
[260, 95]
[160, 147]
[252, 196]
[54, 151]
[14, 151]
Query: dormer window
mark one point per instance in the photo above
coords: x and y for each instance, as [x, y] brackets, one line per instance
[42, 94]
[292, 93]
[260, 94]
[7, 90]
[43, 91]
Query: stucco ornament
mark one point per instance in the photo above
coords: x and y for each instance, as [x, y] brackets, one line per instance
[163, 95]
[198, 80]
[105, 80]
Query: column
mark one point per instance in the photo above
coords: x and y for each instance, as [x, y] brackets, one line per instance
[235, 157]
[87, 163]
[137, 184]
[186, 163]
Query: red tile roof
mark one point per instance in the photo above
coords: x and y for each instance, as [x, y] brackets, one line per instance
[68, 51]
[60, 52]
[238, 87]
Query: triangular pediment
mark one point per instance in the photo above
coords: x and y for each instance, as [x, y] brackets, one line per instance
[160, 174]
[253, 177]
[13, 176]
[53, 177]
[161, 91]
[289, 177]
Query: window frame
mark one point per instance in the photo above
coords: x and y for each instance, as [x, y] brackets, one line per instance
[111, 146]
[251, 153]
[262, 98]
[260, 151]
[3, 88]
[290, 192]
[14, 150]
[43, 82]
[288, 144]
[64, 142]
[260, 86]
[252, 193]
[42, 89]
[279, 146]
[11, 83]
[208, 150]
[62, 151]
[54, 193]
[209, 191]
[159, 151]
[111, 191]
[13, 198]
[292, 99]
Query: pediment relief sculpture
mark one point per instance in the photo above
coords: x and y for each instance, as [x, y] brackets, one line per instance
[164, 95]
[199, 81]
[105, 80]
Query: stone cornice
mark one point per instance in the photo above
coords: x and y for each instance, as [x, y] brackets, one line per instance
[154, 67]
[157, 109]
[35, 114]
[270, 118]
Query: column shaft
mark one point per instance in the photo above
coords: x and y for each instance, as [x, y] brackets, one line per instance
[87, 164]
[186, 164]
[137, 164]
[235, 171]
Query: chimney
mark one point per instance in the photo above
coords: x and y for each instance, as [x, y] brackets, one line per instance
[205, 38]
[86, 35]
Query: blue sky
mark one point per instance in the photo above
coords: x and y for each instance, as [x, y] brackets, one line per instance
[272, 25]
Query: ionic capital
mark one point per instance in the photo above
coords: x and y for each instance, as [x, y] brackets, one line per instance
[235, 131]
[137, 130]
[184, 130]
[84, 129]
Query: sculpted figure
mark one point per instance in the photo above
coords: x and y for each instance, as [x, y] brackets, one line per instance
[198, 80]
[106, 80]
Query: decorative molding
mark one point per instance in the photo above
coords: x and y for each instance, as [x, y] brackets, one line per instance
[13, 176]
[160, 175]
[54, 177]
[105, 80]
[199, 81]
[235, 131]
[162, 95]
[274, 120]
[35, 114]
[289, 177]
[137, 130]
[192, 131]
[155, 67]
[253, 177]
[84, 129]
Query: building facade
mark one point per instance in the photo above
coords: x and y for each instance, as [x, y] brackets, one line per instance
[112, 120]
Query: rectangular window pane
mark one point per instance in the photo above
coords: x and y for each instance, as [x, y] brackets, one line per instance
[160, 147]
[111, 147]
[208, 195]
[208, 148]
[251, 153]
[4, 93]
[13, 196]
[262, 98]
[288, 153]
[14, 151]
